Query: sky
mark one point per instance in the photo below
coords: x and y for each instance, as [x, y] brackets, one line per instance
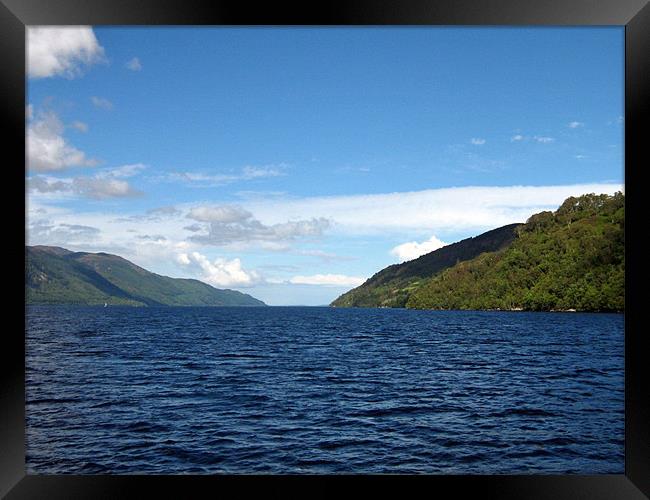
[294, 163]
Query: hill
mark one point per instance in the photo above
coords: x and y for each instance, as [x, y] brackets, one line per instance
[570, 259]
[54, 275]
[392, 286]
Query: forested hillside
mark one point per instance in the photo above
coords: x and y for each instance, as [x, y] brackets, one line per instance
[573, 258]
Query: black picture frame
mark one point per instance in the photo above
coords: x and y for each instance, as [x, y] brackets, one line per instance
[633, 14]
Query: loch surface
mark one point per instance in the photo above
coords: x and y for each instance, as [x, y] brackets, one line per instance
[305, 390]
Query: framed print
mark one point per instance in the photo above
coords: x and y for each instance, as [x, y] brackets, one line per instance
[361, 244]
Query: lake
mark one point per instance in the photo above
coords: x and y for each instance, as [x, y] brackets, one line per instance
[317, 390]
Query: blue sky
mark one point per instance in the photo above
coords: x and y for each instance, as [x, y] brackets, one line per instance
[294, 163]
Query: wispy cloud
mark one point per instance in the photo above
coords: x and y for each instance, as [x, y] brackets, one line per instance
[46, 232]
[477, 141]
[202, 179]
[327, 280]
[95, 187]
[102, 103]
[543, 139]
[576, 124]
[434, 210]
[134, 64]
[103, 185]
[124, 171]
[517, 137]
[61, 51]
[80, 126]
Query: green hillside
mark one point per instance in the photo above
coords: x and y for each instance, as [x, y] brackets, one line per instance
[55, 275]
[573, 258]
[392, 286]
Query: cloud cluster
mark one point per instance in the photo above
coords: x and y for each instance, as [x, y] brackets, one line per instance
[47, 149]
[46, 232]
[220, 272]
[412, 249]
[227, 224]
[61, 51]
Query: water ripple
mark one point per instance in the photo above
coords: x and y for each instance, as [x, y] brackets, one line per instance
[319, 390]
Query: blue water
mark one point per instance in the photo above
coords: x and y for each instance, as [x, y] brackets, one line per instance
[319, 390]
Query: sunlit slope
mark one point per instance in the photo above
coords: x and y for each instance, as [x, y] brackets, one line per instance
[54, 275]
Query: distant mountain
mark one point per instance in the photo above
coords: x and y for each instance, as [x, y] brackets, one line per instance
[570, 259]
[392, 286]
[54, 275]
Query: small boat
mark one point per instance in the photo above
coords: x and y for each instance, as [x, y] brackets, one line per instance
[105, 304]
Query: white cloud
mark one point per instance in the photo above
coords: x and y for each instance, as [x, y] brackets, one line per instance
[47, 149]
[543, 139]
[327, 280]
[101, 102]
[412, 249]
[576, 124]
[517, 137]
[134, 64]
[220, 272]
[29, 112]
[61, 51]
[183, 259]
[477, 141]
